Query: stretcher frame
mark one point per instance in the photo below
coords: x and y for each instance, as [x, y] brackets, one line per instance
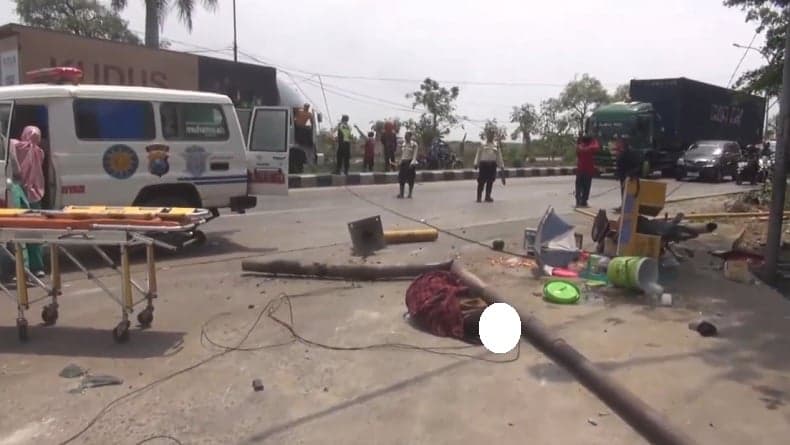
[59, 241]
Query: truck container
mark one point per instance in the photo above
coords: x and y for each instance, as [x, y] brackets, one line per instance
[665, 116]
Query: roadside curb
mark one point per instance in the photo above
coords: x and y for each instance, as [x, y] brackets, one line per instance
[329, 180]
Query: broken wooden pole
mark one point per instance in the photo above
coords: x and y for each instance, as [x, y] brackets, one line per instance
[642, 418]
[351, 272]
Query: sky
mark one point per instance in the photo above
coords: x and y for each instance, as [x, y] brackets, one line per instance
[501, 53]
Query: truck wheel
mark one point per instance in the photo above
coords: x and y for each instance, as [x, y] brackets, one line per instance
[718, 175]
[667, 172]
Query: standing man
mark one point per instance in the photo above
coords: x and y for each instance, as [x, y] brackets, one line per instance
[628, 164]
[487, 159]
[586, 147]
[408, 164]
[389, 139]
[343, 146]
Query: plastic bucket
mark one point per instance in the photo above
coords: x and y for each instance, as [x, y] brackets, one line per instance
[634, 273]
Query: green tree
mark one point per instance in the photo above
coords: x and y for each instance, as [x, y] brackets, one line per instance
[439, 116]
[621, 93]
[771, 18]
[87, 18]
[555, 127]
[492, 127]
[156, 11]
[579, 98]
[526, 119]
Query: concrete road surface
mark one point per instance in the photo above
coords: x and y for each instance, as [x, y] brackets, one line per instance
[382, 395]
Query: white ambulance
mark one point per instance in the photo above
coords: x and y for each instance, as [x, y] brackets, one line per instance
[116, 145]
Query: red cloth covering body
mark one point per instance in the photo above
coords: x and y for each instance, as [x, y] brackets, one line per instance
[434, 303]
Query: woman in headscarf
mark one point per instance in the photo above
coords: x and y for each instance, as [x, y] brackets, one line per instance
[27, 186]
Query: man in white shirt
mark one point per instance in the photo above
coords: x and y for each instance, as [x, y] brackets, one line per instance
[487, 158]
[408, 163]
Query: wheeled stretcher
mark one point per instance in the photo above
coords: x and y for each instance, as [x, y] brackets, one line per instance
[94, 227]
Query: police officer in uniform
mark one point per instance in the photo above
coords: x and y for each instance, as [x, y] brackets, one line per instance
[343, 146]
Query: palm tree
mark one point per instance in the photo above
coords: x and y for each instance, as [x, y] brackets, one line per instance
[156, 10]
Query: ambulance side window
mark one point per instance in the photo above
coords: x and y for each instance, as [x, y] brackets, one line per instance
[5, 116]
[26, 114]
[114, 120]
[193, 122]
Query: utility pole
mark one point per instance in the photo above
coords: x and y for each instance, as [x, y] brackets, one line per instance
[235, 40]
[773, 242]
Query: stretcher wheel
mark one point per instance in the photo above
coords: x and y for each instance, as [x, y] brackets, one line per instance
[121, 332]
[199, 237]
[21, 329]
[49, 314]
[146, 317]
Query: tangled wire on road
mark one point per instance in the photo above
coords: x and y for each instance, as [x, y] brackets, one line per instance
[269, 311]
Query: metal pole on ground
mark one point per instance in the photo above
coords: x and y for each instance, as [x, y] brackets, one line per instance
[779, 185]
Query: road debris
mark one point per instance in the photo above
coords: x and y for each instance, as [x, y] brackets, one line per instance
[738, 271]
[257, 385]
[96, 381]
[410, 236]
[704, 328]
[72, 371]
[592, 422]
[498, 245]
[512, 262]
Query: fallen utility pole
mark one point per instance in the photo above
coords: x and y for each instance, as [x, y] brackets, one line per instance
[773, 240]
[641, 417]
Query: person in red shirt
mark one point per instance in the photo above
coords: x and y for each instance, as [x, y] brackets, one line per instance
[586, 147]
[369, 155]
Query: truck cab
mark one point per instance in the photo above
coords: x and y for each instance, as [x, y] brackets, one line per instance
[636, 120]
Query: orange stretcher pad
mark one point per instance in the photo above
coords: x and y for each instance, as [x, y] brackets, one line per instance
[91, 217]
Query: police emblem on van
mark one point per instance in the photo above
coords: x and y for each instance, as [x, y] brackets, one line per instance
[158, 159]
[196, 158]
[120, 161]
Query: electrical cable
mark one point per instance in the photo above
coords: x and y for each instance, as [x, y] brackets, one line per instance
[745, 52]
[159, 436]
[274, 305]
[270, 310]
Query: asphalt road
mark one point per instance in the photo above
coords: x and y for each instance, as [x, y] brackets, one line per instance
[315, 217]
[388, 396]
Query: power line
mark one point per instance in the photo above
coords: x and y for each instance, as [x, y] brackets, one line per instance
[745, 52]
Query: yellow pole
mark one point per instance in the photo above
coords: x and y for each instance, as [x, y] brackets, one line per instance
[21, 277]
[149, 256]
[410, 236]
[126, 280]
[54, 265]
